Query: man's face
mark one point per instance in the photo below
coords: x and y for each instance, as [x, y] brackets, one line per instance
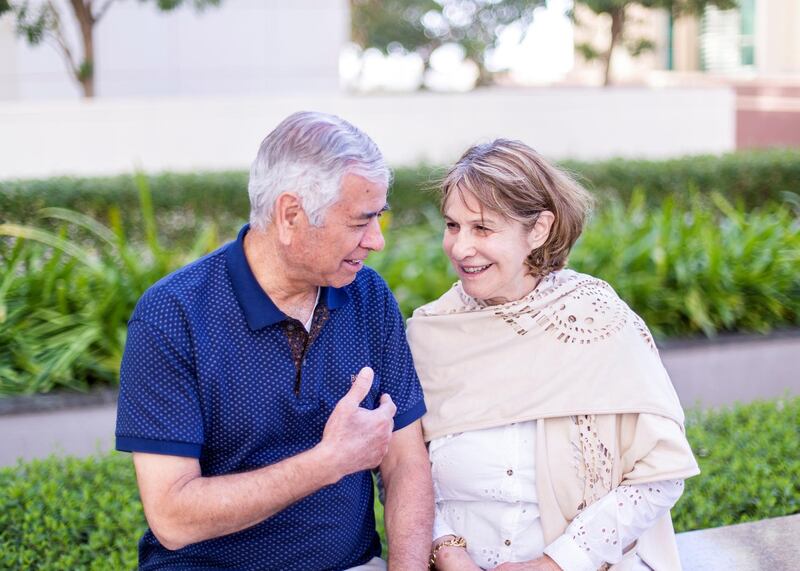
[334, 252]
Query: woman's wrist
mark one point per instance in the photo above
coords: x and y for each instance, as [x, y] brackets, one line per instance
[442, 539]
[446, 549]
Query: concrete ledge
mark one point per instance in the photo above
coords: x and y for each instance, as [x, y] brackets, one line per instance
[721, 372]
[57, 401]
[109, 136]
[770, 544]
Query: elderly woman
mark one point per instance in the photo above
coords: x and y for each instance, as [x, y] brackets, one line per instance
[555, 436]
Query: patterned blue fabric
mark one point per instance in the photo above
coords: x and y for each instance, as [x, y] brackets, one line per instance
[208, 373]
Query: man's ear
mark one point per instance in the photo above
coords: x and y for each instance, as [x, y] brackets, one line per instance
[541, 229]
[287, 216]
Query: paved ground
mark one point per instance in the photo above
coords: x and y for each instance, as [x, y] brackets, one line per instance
[768, 545]
[740, 372]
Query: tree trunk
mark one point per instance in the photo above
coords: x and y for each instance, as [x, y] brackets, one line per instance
[86, 21]
[617, 25]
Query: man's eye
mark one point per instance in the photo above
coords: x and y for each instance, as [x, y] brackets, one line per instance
[482, 229]
[451, 226]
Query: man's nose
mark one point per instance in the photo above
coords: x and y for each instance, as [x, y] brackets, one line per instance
[373, 237]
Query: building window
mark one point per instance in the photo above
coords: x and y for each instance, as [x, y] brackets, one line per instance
[727, 38]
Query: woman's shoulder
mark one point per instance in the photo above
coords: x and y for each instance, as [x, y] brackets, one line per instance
[587, 309]
[454, 300]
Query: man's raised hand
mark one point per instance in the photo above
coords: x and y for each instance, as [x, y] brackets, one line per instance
[358, 438]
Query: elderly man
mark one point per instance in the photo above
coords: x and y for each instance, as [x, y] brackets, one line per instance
[262, 382]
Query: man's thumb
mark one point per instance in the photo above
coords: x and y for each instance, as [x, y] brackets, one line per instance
[361, 385]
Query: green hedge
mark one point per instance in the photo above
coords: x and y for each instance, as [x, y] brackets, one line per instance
[181, 202]
[750, 462]
[181, 199]
[751, 176]
[70, 513]
[85, 514]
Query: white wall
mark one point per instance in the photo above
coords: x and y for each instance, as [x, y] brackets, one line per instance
[241, 47]
[113, 136]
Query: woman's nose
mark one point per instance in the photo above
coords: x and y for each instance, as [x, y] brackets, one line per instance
[463, 246]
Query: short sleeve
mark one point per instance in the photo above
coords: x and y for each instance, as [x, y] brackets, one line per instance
[159, 409]
[399, 378]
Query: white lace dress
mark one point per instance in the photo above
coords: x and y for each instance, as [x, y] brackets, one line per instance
[485, 490]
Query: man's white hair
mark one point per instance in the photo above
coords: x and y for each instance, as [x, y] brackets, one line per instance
[308, 154]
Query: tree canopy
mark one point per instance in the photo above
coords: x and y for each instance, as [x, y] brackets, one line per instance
[421, 26]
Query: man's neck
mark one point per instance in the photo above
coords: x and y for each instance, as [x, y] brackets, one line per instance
[292, 295]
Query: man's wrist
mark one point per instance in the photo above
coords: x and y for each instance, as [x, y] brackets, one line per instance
[324, 464]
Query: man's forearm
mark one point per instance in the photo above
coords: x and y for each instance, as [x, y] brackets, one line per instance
[197, 508]
[409, 514]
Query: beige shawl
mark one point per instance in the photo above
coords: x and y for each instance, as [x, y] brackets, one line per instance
[574, 357]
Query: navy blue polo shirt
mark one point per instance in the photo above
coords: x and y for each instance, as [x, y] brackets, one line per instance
[208, 373]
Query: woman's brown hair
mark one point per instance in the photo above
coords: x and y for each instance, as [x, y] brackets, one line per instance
[510, 178]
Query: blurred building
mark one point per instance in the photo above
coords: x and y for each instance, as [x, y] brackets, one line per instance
[754, 49]
[242, 47]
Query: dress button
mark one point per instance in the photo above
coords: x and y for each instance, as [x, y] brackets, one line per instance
[510, 472]
[507, 542]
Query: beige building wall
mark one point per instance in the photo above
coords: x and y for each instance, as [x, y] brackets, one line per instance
[8, 62]
[777, 39]
[686, 44]
[242, 47]
[777, 49]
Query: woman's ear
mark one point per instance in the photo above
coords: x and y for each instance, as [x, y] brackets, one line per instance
[541, 229]
[288, 215]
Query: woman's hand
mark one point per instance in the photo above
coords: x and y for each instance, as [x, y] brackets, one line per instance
[451, 558]
[543, 563]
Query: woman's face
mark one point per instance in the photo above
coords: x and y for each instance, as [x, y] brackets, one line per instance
[487, 250]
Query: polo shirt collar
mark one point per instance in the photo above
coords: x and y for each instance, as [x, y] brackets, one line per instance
[259, 309]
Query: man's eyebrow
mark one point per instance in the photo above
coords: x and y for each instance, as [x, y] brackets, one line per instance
[368, 215]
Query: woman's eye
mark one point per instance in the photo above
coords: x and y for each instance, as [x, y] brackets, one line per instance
[482, 229]
[451, 226]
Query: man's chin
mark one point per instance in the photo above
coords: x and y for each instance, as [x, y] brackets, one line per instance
[342, 280]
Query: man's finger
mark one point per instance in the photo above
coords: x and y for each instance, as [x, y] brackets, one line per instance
[361, 386]
[387, 405]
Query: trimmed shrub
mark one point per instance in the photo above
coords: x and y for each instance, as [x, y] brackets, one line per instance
[180, 200]
[753, 177]
[750, 461]
[68, 513]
